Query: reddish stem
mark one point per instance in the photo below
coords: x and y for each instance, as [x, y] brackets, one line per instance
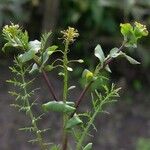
[49, 84]
[80, 98]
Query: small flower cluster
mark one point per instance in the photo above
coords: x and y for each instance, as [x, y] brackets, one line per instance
[70, 34]
[132, 33]
[141, 29]
[11, 29]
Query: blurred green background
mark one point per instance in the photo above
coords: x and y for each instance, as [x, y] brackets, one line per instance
[128, 126]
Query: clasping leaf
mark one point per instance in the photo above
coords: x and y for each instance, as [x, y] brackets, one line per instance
[58, 107]
[74, 121]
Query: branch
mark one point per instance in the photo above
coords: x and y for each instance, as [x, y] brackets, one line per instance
[80, 98]
[49, 85]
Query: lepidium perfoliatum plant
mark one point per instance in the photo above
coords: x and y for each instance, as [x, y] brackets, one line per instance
[33, 57]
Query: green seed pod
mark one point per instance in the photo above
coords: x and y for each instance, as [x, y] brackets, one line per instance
[75, 120]
[58, 107]
[88, 146]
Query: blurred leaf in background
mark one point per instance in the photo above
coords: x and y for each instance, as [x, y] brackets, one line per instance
[13, 10]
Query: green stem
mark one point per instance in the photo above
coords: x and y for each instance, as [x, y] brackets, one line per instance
[37, 131]
[97, 70]
[79, 145]
[84, 134]
[65, 93]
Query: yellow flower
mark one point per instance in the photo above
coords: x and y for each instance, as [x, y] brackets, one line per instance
[11, 29]
[141, 29]
[70, 34]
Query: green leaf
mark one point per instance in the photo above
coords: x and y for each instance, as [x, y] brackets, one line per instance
[107, 68]
[58, 107]
[6, 45]
[133, 33]
[88, 146]
[130, 59]
[99, 53]
[74, 121]
[114, 52]
[49, 51]
[35, 46]
[34, 68]
[27, 56]
[126, 30]
[44, 39]
[71, 87]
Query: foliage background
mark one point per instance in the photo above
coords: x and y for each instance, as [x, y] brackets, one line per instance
[98, 22]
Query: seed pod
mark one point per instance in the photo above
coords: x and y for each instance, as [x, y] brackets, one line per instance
[75, 120]
[88, 146]
[58, 107]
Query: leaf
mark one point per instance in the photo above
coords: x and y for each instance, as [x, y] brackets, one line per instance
[74, 121]
[88, 146]
[35, 45]
[71, 87]
[126, 29]
[6, 45]
[44, 39]
[49, 51]
[128, 32]
[58, 107]
[99, 53]
[34, 68]
[130, 59]
[107, 68]
[133, 33]
[114, 52]
[27, 56]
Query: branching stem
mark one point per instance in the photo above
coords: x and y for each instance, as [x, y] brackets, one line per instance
[39, 137]
[79, 145]
[107, 61]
